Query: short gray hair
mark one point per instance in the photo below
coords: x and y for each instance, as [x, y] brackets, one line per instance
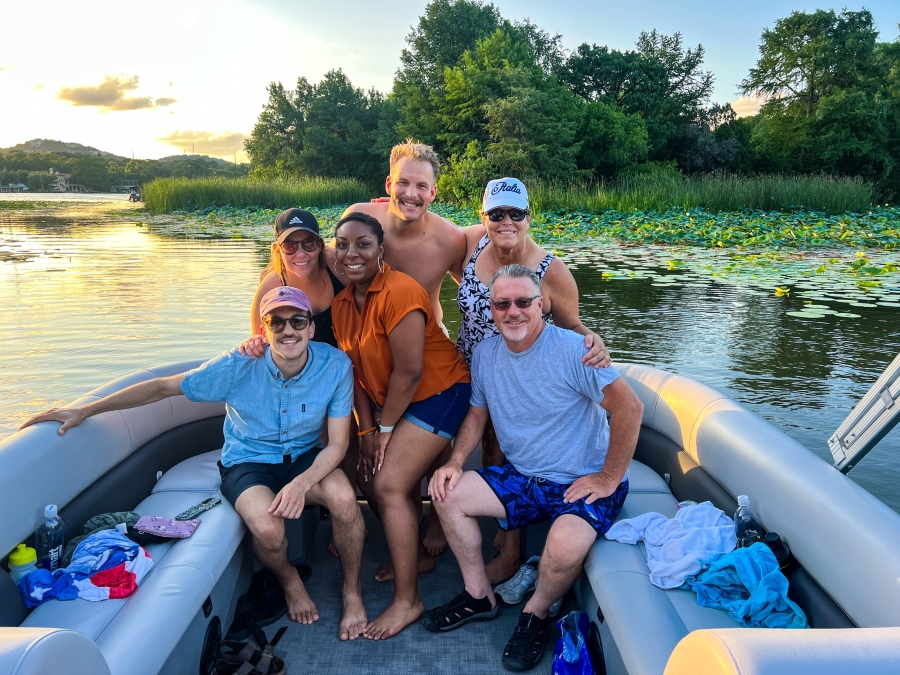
[516, 271]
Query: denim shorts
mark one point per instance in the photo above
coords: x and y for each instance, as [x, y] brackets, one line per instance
[442, 413]
[529, 499]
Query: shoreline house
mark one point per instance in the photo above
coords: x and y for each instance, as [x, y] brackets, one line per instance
[63, 184]
[14, 187]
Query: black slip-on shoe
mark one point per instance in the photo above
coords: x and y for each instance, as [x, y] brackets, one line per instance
[458, 612]
[526, 646]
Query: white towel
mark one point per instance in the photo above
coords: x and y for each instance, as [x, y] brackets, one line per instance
[678, 548]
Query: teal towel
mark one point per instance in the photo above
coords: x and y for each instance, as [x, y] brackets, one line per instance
[748, 584]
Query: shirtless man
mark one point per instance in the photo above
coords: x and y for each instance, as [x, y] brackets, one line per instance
[416, 241]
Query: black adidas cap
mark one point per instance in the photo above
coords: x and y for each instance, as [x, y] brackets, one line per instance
[291, 220]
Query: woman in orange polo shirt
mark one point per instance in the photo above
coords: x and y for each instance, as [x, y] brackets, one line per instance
[412, 393]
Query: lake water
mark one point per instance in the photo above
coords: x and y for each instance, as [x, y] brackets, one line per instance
[88, 297]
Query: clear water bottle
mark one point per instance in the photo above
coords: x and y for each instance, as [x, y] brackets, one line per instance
[746, 526]
[48, 539]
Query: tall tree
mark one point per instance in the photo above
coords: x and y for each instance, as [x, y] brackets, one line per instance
[323, 129]
[661, 81]
[446, 30]
[810, 55]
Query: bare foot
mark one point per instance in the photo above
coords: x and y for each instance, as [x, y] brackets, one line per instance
[424, 564]
[354, 621]
[300, 606]
[499, 539]
[502, 568]
[395, 618]
[332, 549]
[434, 542]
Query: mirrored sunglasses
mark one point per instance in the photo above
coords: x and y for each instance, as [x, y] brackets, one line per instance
[497, 215]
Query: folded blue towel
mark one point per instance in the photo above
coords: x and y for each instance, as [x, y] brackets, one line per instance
[748, 584]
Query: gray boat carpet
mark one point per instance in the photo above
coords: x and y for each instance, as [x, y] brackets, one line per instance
[474, 649]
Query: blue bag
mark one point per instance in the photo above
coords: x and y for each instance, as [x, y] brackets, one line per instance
[571, 655]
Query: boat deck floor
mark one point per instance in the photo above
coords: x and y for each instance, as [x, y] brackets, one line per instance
[474, 649]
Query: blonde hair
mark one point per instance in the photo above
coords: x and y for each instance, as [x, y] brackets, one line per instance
[418, 152]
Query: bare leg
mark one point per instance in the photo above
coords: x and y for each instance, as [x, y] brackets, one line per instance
[470, 498]
[424, 565]
[408, 456]
[568, 542]
[508, 542]
[435, 541]
[336, 493]
[270, 546]
[348, 465]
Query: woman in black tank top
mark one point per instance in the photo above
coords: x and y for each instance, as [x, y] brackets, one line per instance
[298, 260]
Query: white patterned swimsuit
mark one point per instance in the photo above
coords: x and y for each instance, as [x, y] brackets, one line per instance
[474, 301]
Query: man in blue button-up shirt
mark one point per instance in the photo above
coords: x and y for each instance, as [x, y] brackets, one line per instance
[278, 409]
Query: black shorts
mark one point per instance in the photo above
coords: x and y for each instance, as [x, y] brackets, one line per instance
[238, 477]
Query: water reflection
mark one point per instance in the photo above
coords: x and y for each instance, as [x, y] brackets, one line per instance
[84, 302]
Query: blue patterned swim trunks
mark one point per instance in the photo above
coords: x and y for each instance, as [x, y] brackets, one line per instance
[528, 500]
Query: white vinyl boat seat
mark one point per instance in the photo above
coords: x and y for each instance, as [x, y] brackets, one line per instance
[129, 631]
[644, 622]
[183, 576]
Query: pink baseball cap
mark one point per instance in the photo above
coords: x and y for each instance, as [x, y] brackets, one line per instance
[284, 296]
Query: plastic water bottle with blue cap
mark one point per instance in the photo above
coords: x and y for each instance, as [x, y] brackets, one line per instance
[49, 541]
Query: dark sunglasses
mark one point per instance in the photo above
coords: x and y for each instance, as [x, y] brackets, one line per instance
[276, 324]
[521, 303]
[497, 215]
[310, 244]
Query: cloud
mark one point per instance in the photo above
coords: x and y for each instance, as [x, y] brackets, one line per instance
[37, 87]
[217, 144]
[746, 106]
[111, 94]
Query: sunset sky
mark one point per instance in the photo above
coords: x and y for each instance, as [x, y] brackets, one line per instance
[156, 79]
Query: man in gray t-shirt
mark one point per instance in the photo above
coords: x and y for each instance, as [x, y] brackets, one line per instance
[566, 463]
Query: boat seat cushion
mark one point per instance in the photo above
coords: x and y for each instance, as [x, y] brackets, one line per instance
[646, 622]
[197, 474]
[183, 575]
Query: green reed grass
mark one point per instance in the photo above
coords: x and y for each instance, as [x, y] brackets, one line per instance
[189, 194]
[714, 192]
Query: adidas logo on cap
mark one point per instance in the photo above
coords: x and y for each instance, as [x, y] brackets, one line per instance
[295, 221]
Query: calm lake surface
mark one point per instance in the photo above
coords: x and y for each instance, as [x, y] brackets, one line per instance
[86, 298]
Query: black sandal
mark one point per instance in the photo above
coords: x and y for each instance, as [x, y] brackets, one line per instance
[526, 646]
[246, 658]
[458, 612]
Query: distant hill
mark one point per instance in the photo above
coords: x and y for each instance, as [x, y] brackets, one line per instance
[182, 158]
[43, 145]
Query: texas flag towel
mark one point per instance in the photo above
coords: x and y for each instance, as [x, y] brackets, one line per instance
[107, 564]
[116, 582]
